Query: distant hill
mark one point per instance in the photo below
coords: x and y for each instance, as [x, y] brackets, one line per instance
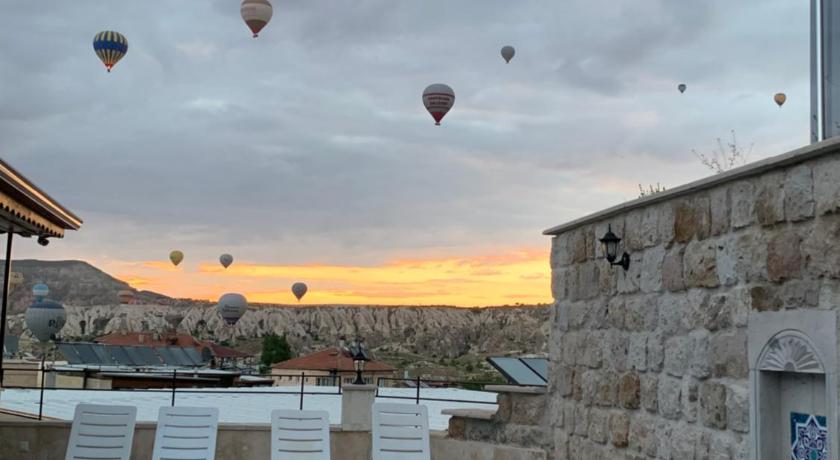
[71, 282]
[90, 296]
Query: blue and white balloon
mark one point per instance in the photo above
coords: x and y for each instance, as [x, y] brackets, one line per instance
[40, 291]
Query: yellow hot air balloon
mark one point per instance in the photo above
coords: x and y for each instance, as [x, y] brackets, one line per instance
[780, 99]
[176, 257]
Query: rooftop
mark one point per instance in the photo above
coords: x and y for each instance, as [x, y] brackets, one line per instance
[331, 359]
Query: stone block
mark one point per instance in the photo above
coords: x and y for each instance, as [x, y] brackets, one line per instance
[640, 313]
[569, 420]
[784, 259]
[561, 256]
[692, 219]
[765, 298]
[801, 293]
[770, 199]
[664, 443]
[821, 247]
[561, 445]
[650, 226]
[720, 447]
[713, 405]
[628, 281]
[629, 391]
[619, 429]
[651, 273]
[683, 441]
[562, 378]
[643, 432]
[826, 186]
[637, 351]
[742, 197]
[585, 282]
[677, 354]
[616, 312]
[669, 392]
[672, 269]
[700, 362]
[607, 392]
[719, 211]
[665, 223]
[581, 249]
[700, 265]
[739, 303]
[689, 398]
[738, 408]
[581, 420]
[726, 260]
[655, 352]
[590, 383]
[649, 388]
[589, 351]
[615, 354]
[559, 283]
[719, 312]
[729, 354]
[799, 193]
[598, 429]
[633, 239]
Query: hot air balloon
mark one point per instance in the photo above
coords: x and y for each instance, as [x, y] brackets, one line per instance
[507, 53]
[299, 290]
[256, 14]
[681, 87]
[226, 260]
[125, 296]
[176, 257]
[231, 307]
[438, 99]
[780, 99]
[110, 46]
[40, 291]
[45, 318]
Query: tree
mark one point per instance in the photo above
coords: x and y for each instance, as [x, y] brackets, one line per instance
[275, 349]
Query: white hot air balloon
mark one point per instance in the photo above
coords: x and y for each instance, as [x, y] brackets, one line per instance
[256, 14]
[226, 260]
[45, 319]
[438, 99]
[231, 307]
[508, 52]
[299, 290]
[40, 291]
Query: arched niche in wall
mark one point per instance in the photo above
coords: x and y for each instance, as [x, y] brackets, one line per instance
[791, 399]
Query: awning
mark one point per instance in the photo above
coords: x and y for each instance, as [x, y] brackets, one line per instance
[27, 210]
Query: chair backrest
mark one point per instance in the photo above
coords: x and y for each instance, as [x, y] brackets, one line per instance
[101, 432]
[186, 433]
[400, 432]
[300, 435]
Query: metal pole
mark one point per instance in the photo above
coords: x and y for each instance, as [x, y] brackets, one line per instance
[418, 389]
[816, 74]
[3, 307]
[174, 383]
[43, 378]
[302, 380]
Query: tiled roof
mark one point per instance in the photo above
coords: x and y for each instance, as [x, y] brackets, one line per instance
[150, 339]
[330, 359]
[221, 351]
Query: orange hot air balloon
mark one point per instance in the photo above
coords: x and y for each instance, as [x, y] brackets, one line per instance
[780, 99]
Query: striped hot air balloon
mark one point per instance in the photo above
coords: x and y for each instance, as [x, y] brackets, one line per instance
[256, 14]
[110, 46]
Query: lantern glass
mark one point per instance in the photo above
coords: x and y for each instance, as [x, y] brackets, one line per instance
[610, 242]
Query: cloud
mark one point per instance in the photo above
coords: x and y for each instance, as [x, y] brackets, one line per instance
[311, 143]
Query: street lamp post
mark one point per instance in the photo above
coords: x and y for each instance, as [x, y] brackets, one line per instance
[360, 357]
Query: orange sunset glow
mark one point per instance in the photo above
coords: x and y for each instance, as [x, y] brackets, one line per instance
[518, 276]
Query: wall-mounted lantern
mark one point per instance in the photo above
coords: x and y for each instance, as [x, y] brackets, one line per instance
[610, 242]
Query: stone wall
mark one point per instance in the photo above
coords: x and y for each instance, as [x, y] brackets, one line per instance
[653, 362]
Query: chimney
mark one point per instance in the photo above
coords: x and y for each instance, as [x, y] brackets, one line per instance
[140, 338]
[342, 343]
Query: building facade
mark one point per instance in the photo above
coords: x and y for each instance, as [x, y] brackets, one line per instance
[720, 340]
[326, 367]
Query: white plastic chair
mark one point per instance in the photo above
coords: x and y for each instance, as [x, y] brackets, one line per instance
[101, 432]
[400, 432]
[300, 435]
[186, 433]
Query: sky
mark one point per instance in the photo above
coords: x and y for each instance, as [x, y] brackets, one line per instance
[307, 153]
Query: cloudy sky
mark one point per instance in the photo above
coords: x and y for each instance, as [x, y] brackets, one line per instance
[307, 153]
